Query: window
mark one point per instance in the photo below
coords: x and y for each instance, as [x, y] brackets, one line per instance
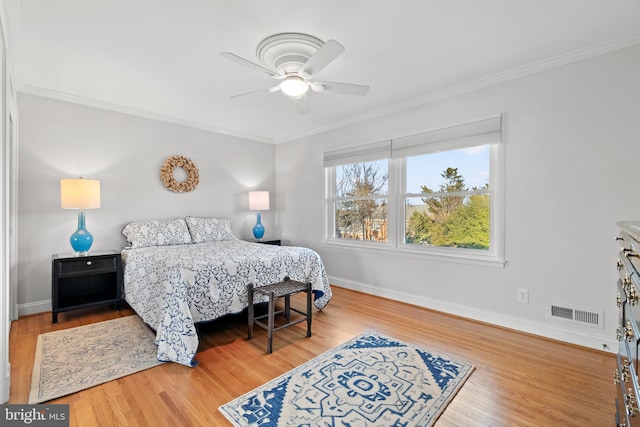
[360, 202]
[448, 199]
[438, 193]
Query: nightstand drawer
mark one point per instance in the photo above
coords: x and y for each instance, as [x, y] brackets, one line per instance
[87, 266]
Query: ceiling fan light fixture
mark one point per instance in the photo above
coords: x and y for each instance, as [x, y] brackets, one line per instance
[294, 86]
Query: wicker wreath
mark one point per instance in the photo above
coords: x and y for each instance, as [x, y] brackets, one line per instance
[166, 174]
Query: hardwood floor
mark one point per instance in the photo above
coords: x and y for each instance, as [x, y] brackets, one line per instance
[519, 380]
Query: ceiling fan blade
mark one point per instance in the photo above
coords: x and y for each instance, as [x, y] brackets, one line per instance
[255, 92]
[249, 64]
[343, 88]
[323, 57]
[302, 104]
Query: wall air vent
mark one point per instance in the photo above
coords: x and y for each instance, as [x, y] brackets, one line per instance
[587, 317]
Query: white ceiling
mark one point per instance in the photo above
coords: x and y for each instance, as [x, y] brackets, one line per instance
[161, 59]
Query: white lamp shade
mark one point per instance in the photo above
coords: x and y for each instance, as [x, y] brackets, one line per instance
[79, 193]
[258, 200]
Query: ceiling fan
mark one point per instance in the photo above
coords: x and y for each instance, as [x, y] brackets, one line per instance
[295, 59]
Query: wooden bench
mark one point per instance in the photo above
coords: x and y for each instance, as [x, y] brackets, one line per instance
[274, 291]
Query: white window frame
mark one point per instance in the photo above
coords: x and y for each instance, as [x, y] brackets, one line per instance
[486, 131]
[370, 152]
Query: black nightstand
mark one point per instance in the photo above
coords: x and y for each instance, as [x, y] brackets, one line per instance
[85, 281]
[270, 242]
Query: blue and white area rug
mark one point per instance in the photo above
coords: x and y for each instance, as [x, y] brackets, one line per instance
[372, 380]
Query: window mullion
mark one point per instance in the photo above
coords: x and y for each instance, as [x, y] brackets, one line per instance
[451, 193]
[330, 203]
[396, 210]
[356, 198]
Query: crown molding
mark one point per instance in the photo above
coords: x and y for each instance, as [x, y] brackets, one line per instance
[532, 68]
[494, 79]
[90, 102]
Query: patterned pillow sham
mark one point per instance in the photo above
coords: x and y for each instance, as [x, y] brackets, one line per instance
[157, 233]
[206, 229]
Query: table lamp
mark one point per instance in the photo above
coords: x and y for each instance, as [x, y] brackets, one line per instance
[79, 193]
[258, 201]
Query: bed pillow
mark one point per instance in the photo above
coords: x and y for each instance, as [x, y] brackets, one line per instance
[206, 229]
[157, 233]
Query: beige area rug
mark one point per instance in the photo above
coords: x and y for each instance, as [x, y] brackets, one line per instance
[75, 359]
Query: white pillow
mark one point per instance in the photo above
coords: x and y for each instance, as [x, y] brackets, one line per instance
[157, 233]
[206, 229]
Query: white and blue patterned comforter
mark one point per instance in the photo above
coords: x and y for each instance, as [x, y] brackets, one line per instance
[173, 287]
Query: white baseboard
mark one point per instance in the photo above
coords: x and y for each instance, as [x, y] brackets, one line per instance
[511, 322]
[34, 307]
[556, 332]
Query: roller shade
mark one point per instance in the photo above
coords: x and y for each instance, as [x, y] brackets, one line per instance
[481, 132]
[360, 153]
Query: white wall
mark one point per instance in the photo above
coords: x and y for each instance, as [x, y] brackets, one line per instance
[572, 146]
[64, 140]
[572, 138]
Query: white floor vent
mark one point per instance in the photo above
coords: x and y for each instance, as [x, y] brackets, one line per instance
[588, 317]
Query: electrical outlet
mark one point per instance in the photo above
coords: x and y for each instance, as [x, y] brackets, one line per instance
[523, 295]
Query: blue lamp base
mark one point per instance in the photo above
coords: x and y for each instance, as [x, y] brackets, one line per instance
[258, 229]
[81, 240]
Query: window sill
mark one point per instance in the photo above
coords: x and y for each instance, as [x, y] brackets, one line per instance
[436, 255]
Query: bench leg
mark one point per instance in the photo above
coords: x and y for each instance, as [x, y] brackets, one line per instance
[250, 310]
[308, 309]
[272, 303]
[287, 308]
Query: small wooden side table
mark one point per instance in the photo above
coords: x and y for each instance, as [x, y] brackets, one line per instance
[85, 281]
[274, 291]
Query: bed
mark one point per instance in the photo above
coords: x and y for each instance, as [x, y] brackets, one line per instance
[188, 270]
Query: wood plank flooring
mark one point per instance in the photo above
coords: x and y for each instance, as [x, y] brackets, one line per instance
[519, 380]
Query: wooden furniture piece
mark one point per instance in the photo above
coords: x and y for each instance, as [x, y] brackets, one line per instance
[270, 242]
[628, 332]
[274, 291]
[85, 281]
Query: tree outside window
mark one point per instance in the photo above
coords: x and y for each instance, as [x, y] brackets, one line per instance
[461, 220]
[361, 201]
